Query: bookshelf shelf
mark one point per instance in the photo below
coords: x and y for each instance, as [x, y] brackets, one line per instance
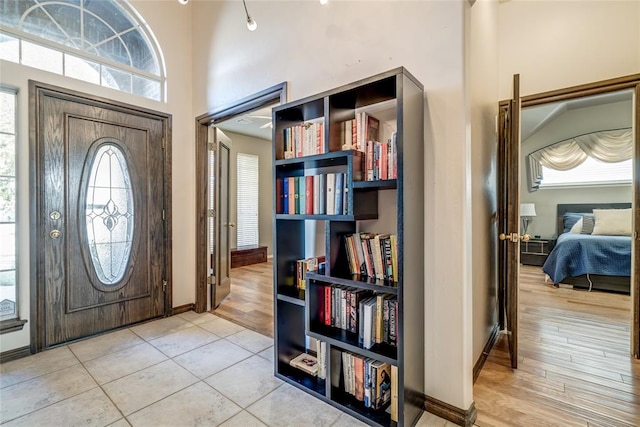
[359, 282]
[349, 341]
[375, 225]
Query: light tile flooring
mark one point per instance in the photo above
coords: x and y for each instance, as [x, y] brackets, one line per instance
[186, 370]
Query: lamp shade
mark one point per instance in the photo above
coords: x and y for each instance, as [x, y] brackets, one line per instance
[527, 209]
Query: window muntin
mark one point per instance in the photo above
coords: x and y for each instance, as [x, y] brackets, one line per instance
[247, 199]
[590, 173]
[8, 206]
[105, 33]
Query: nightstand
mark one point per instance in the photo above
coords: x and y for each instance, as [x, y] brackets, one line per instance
[535, 251]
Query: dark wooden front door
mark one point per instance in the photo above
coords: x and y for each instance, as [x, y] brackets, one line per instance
[102, 251]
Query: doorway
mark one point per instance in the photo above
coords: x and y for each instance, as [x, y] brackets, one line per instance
[100, 215]
[211, 290]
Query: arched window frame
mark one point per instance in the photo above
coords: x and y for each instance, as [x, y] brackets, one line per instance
[139, 23]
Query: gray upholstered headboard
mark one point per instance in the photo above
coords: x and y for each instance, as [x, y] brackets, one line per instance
[583, 208]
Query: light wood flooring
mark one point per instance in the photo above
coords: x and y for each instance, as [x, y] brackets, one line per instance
[250, 302]
[574, 367]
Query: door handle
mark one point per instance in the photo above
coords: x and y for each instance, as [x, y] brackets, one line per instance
[514, 237]
[54, 234]
[230, 224]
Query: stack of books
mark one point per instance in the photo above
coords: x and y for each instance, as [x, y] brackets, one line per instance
[303, 140]
[381, 159]
[303, 266]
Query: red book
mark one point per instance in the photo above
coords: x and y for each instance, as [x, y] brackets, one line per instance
[383, 160]
[308, 187]
[327, 305]
[279, 196]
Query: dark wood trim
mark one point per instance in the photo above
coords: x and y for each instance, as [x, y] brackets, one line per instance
[182, 309]
[485, 352]
[461, 417]
[37, 90]
[595, 88]
[271, 95]
[631, 81]
[11, 325]
[16, 353]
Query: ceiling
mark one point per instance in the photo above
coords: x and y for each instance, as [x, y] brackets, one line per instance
[255, 123]
[537, 117]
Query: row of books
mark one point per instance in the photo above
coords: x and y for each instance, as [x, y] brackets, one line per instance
[373, 317]
[303, 140]
[381, 159]
[373, 255]
[369, 381]
[303, 266]
[325, 194]
[356, 132]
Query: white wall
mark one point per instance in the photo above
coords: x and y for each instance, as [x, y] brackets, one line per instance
[571, 123]
[316, 48]
[566, 43]
[171, 25]
[262, 149]
[482, 83]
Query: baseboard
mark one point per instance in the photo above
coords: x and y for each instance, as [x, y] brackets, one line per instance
[461, 417]
[485, 352]
[182, 309]
[16, 353]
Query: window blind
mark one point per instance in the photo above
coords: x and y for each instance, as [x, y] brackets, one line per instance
[591, 172]
[247, 199]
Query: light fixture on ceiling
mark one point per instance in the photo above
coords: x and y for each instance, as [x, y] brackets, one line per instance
[251, 24]
[323, 2]
[183, 1]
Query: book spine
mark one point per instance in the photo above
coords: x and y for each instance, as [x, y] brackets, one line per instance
[308, 188]
[322, 194]
[331, 183]
[301, 208]
[278, 195]
[369, 161]
[338, 193]
[316, 194]
[327, 305]
[292, 195]
[285, 195]
[392, 321]
[385, 320]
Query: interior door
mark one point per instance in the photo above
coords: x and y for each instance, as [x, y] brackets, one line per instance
[508, 217]
[222, 283]
[101, 239]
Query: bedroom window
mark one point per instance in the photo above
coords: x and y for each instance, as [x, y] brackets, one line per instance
[247, 199]
[590, 173]
[102, 42]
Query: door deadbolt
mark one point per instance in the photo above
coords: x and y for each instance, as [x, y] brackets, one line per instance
[54, 215]
[54, 234]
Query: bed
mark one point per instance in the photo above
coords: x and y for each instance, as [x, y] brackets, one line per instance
[589, 261]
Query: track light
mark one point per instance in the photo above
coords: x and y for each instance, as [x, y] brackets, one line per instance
[183, 1]
[251, 24]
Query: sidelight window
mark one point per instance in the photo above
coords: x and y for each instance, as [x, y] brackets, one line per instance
[8, 206]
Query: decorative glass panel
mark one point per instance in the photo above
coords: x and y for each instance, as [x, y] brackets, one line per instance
[102, 31]
[109, 214]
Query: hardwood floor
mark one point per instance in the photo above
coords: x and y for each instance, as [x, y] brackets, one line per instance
[574, 367]
[250, 302]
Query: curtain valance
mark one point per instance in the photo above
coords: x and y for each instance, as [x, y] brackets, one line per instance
[610, 146]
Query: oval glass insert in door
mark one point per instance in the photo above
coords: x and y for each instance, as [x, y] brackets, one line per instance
[109, 214]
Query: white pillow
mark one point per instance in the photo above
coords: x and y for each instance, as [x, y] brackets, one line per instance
[612, 222]
[577, 227]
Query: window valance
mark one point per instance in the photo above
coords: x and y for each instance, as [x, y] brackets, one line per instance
[610, 146]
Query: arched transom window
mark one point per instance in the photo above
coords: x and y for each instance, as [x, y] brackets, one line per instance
[105, 42]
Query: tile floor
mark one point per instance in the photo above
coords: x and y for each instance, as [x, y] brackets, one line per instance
[186, 370]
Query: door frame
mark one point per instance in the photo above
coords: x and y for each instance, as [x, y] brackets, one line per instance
[38, 90]
[273, 94]
[610, 85]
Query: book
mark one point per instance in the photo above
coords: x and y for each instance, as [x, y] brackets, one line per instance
[358, 369]
[301, 191]
[339, 184]
[305, 362]
[394, 393]
[382, 384]
[292, 195]
[308, 198]
[336, 367]
[285, 195]
[331, 187]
